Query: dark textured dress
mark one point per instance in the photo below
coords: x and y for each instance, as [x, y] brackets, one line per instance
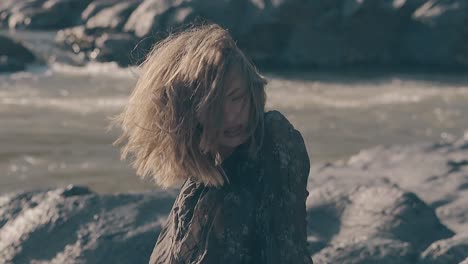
[260, 217]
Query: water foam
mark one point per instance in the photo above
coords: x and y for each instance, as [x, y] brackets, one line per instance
[109, 69]
[308, 94]
[77, 105]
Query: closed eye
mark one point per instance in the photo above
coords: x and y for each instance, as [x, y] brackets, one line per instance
[237, 98]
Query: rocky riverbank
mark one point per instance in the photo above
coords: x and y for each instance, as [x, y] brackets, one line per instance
[384, 205]
[425, 34]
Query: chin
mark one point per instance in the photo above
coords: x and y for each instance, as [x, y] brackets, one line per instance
[232, 142]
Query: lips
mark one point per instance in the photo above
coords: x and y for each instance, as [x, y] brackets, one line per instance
[233, 131]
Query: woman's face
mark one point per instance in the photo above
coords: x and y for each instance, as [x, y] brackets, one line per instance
[236, 111]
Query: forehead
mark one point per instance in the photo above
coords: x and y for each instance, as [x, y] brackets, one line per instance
[234, 80]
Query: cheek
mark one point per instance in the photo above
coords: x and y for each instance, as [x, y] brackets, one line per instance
[246, 108]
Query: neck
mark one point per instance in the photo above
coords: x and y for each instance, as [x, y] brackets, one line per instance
[225, 152]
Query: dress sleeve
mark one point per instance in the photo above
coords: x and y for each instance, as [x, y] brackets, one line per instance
[206, 225]
[290, 168]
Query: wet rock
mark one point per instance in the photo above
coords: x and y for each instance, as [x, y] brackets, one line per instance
[13, 55]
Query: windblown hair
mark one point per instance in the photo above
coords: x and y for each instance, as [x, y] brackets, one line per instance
[173, 120]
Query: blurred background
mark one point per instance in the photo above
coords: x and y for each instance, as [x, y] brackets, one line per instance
[349, 74]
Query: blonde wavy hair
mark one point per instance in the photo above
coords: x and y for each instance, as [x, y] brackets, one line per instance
[173, 120]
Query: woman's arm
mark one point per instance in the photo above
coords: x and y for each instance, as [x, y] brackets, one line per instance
[289, 168]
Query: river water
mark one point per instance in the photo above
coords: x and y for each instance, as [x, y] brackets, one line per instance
[53, 121]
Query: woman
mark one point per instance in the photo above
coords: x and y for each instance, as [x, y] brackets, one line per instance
[196, 117]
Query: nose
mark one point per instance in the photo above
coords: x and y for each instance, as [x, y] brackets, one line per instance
[229, 117]
[231, 112]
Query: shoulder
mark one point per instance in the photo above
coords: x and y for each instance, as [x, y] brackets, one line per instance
[280, 130]
[285, 140]
[277, 127]
[274, 120]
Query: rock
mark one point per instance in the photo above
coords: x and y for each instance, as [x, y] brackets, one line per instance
[379, 223]
[452, 250]
[82, 226]
[258, 33]
[151, 15]
[46, 226]
[374, 250]
[5, 11]
[340, 33]
[47, 14]
[116, 47]
[325, 34]
[438, 35]
[11, 10]
[374, 211]
[8, 64]
[112, 18]
[13, 55]
[359, 206]
[363, 210]
[73, 190]
[95, 7]
[76, 39]
[418, 168]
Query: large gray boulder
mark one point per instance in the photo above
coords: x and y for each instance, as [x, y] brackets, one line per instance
[377, 223]
[75, 225]
[418, 168]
